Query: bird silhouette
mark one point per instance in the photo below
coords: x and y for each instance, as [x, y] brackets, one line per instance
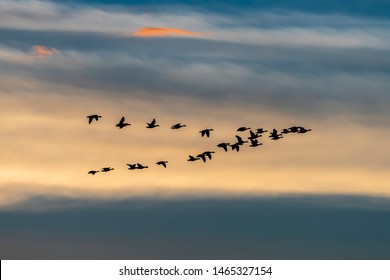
[208, 153]
[255, 143]
[261, 130]
[253, 135]
[192, 158]
[177, 126]
[132, 166]
[140, 166]
[235, 146]
[223, 146]
[122, 123]
[106, 169]
[285, 131]
[152, 124]
[240, 141]
[162, 162]
[243, 128]
[93, 172]
[93, 117]
[206, 132]
[303, 130]
[274, 135]
[294, 129]
[202, 156]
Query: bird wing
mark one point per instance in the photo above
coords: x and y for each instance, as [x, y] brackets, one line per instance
[208, 154]
[239, 138]
[122, 120]
[202, 156]
[153, 122]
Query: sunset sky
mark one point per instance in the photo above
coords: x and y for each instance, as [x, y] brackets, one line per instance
[323, 65]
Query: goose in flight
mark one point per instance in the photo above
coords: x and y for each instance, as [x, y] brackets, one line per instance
[261, 130]
[202, 156]
[177, 126]
[285, 131]
[93, 117]
[122, 123]
[255, 143]
[294, 129]
[106, 169]
[223, 146]
[140, 166]
[253, 135]
[235, 146]
[208, 153]
[274, 135]
[303, 130]
[243, 128]
[93, 172]
[162, 162]
[152, 124]
[191, 158]
[240, 141]
[206, 132]
[132, 166]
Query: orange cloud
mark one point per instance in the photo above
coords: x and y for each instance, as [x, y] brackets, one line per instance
[42, 51]
[162, 31]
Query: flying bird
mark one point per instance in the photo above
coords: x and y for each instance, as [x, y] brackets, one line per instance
[254, 143]
[243, 128]
[253, 135]
[235, 146]
[223, 146]
[206, 132]
[152, 124]
[303, 130]
[285, 131]
[93, 172]
[294, 129]
[140, 166]
[93, 117]
[122, 123]
[208, 153]
[191, 158]
[274, 135]
[202, 156]
[240, 141]
[162, 162]
[106, 169]
[132, 166]
[177, 126]
[261, 130]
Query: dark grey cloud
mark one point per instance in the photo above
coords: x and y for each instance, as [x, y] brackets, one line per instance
[313, 227]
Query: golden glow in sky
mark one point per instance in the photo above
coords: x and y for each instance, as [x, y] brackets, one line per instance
[162, 32]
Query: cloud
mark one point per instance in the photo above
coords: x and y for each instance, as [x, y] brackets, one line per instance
[249, 27]
[162, 32]
[42, 51]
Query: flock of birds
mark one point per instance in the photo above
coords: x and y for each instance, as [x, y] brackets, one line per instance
[207, 155]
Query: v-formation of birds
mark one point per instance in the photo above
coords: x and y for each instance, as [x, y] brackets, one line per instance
[207, 155]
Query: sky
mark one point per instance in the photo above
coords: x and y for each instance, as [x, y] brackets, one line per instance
[209, 64]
